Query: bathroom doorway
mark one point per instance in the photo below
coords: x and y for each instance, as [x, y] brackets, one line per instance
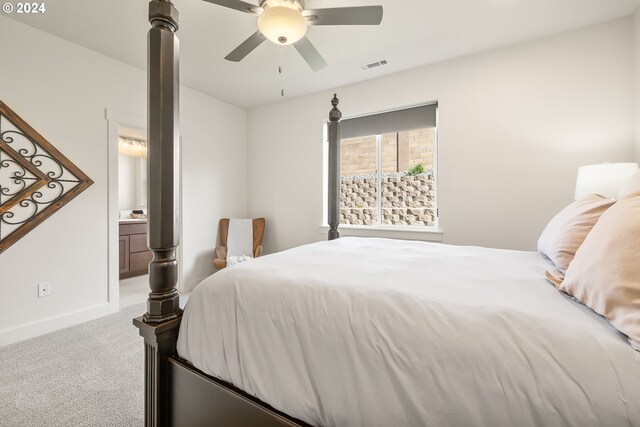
[133, 253]
[129, 255]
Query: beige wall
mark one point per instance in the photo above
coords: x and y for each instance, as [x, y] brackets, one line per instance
[400, 152]
[636, 54]
[358, 156]
[405, 199]
[416, 146]
[62, 90]
[514, 125]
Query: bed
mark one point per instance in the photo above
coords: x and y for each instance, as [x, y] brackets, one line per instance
[362, 332]
[380, 332]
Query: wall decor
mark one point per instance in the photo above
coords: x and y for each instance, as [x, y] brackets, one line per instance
[35, 178]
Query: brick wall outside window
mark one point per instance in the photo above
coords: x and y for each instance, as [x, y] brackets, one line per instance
[405, 199]
[358, 155]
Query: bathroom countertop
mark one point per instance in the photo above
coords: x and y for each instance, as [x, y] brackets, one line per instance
[132, 221]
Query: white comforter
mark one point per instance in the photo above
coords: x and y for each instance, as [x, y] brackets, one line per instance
[376, 332]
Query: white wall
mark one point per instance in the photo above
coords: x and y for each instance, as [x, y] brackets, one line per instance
[214, 178]
[515, 124]
[636, 54]
[62, 90]
[127, 170]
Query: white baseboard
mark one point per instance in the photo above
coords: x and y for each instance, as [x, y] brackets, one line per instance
[54, 323]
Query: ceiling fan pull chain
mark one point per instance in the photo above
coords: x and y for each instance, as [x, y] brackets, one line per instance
[280, 70]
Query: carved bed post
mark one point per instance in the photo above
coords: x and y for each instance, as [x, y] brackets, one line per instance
[160, 324]
[334, 169]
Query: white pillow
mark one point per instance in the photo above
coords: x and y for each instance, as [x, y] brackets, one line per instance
[631, 185]
[567, 230]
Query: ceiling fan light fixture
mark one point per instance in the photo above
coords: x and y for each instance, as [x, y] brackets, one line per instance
[282, 25]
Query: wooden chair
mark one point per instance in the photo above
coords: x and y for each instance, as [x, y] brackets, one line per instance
[220, 260]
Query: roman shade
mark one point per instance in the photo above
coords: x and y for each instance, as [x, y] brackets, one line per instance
[392, 121]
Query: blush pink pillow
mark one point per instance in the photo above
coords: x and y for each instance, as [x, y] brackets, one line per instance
[605, 273]
[567, 230]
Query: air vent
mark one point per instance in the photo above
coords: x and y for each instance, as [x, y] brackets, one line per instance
[373, 65]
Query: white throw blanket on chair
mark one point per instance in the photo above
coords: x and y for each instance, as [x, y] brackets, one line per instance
[239, 240]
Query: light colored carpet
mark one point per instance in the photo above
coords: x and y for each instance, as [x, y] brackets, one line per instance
[87, 375]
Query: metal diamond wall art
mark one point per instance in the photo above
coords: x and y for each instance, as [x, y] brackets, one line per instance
[35, 178]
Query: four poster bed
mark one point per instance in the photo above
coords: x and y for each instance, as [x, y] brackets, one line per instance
[349, 331]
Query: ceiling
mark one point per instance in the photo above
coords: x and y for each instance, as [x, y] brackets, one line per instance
[413, 33]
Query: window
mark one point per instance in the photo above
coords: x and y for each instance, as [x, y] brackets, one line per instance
[388, 169]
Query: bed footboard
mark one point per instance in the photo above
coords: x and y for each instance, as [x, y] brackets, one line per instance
[159, 344]
[178, 394]
[197, 399]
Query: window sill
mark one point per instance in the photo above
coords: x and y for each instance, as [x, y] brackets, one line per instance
[406, 233]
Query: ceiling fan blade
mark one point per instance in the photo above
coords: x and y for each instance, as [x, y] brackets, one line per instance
[357, 15]
[310, 54]
[238, 5]
[246, 47]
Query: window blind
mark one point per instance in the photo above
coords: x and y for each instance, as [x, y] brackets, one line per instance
[392, 121]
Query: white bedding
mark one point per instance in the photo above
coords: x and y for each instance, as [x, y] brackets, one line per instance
[377, 332]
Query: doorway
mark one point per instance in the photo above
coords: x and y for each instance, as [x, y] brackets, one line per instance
[133, 253]
[129, 255]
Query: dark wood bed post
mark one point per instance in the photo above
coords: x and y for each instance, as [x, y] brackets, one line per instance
[160, 324]
[334, 168]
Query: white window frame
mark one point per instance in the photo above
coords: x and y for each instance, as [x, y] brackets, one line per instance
[409, 232]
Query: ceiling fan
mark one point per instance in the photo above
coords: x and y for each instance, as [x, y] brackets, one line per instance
[285, 22]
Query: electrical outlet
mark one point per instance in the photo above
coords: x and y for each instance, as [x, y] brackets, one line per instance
[44, 289]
